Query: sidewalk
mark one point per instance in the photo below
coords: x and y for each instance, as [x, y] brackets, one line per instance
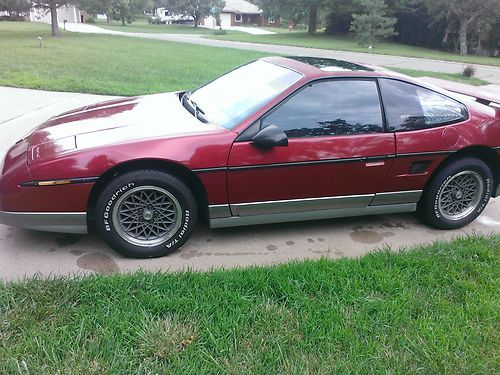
[23, 109]
[486, 72]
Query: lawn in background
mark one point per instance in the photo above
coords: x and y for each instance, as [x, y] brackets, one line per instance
[302, 39]
[142, 26]
[430, 309]
[115, 65]
[457, 77]
[103, 64]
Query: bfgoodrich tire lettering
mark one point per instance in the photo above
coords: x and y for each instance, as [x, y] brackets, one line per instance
[457, 194]
[146, 213]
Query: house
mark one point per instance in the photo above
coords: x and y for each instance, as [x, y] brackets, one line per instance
[240, 13]
[68, 13]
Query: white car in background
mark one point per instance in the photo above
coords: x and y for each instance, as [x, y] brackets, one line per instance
[163, 15]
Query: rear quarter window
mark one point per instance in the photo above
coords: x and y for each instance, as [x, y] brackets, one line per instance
[411, 107]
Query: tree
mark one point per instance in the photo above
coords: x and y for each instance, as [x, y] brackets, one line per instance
[374, 24]
[51, 6]
[294, 10]
[197, 9]
[465, 12]
[339, 16]
[291, 10]
[94, 7]
[312, 25]
[15, 7]
[119, 10]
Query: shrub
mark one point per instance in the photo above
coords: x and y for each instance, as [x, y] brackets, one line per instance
[14, 18]
[469, 71]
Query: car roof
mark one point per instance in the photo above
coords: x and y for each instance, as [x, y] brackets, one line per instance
[315, 67]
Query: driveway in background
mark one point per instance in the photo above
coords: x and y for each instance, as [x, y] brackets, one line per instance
[27, 253]
[22, 109]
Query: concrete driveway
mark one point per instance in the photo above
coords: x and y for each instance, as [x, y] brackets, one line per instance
[27, 253]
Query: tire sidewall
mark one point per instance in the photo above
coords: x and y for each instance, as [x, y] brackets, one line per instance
[437, 185]
[111, 196]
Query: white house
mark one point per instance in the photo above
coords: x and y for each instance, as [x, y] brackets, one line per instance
[70, 13]
[240, 13]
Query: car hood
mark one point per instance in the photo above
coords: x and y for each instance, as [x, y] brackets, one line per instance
[116, 121]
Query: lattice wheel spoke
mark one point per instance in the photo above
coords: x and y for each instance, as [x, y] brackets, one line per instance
[147, 215]
[460, 195]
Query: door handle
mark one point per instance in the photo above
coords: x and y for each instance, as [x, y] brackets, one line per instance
[375, 161]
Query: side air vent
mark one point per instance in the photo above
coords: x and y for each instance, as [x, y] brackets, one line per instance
[419, 167]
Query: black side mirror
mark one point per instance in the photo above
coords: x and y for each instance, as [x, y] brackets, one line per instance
[270, 136]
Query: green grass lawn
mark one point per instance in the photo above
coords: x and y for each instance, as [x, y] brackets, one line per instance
[429, 310]
[457, 77]
[142, 26]
[103, 64]
[302, 39]
[114, 65]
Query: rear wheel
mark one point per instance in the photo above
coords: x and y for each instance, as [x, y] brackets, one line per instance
[146, 213]
[457, 194]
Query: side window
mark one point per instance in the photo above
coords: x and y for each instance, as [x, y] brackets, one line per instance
[336, 107]
[410, 107]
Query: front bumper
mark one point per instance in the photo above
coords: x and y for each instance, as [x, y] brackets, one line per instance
[62, 222]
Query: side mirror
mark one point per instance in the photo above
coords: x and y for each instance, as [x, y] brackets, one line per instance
[270, 136]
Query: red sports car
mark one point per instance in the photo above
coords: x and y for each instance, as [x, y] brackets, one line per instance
[279, 139]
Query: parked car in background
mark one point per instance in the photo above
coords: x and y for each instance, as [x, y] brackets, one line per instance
[163, 15]
[278, 139]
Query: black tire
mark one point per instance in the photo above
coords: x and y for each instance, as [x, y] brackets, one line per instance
[444, 204]
[144, 202]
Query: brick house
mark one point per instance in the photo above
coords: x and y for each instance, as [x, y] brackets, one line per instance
[241, 13]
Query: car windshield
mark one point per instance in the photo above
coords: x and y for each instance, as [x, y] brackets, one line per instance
[234, 96]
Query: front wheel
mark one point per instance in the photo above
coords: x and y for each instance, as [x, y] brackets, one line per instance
[146, 213]
[457, 194]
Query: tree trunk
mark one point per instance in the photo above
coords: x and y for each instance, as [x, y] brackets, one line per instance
[447, 32]
[313, 18]
[196, 21]
[108, 19]
[462, 36]
[123, 21]
[53, 21]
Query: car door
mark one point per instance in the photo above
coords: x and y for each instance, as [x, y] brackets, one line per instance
[336, 155]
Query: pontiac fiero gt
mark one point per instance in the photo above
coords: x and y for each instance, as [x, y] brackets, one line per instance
[278, 139]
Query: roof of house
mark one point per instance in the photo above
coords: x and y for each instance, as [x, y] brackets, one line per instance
[241, 6]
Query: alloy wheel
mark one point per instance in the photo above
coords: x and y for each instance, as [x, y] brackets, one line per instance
[147, 216]
[460, 195]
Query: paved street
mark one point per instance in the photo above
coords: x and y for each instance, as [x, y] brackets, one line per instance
[27, 253]
[488, 73]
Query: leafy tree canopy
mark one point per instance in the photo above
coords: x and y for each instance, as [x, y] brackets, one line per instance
[15, 6]
[197, 9]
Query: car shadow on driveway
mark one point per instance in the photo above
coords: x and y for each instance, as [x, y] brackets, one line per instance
[27, 253]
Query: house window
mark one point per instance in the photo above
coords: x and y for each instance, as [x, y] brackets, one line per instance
[270, 20]
[238, 17]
